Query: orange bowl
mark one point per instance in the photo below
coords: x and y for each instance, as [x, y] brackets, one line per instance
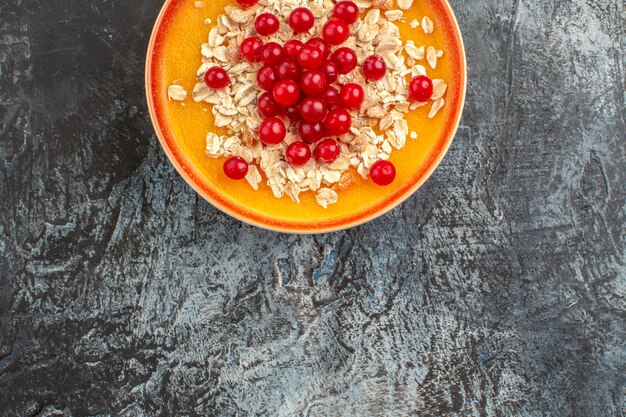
[174, 54]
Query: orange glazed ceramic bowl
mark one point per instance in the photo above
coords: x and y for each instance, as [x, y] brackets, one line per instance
[174, 55]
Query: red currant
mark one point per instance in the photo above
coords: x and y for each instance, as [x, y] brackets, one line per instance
[286, 93]
[313, 109]
[383, 172]
[346, 11]
[247, 3]
[216, 78]
[292, 47]
[374, 67]
[301, 20]
[250, 48]
[330, 95]
[310, 57]
[330, 70]
[272, 131]
[267, 106]
[311, 132]
[266, 78]
[293, 113]
[271, 53]
[313, 82]
[288, 69]
[266, 24]
[327, 151]
[335, 31]
[320, 44]
[235, 167]
[351, 96]
[421, 88]
[337, 122]
[298, 153]
[345, 59]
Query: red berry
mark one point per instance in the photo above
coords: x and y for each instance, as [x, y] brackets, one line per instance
[293, 113]
[346, 11]
[320, 44]
[330, 70]
[330, 95]
[337, 122]
[216, 78]
[351, 96]
[286, 93]
[301, 20]
[267, 106]
[374, 67]
[313, 109]
[235, 167]
[311, 132]
[298, 153]
[292, 47]
[327, 151]
[288, 69]
[382, 172]
[313, 82]
[310, 57]
[266, 24]
[336, 31]
[250, 48]
[421, 88]
[271, 53]
[247, 3]
[345, 59]
[266, 78]
[272, 131]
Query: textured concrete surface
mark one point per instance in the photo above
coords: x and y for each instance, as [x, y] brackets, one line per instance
[497, 290]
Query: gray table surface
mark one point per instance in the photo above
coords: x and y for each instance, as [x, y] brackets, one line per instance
[497, 290]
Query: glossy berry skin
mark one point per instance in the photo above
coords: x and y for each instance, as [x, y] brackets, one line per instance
[421, 88]
[351, 96]
[336, 31]
[293, 113]
[374, 67]
[247, 3]
[216, 78]
[288, 69]
[337, 122]
[292, 47]
[330, 95]
[235, 167]
[266, 24]
[271, 53]
[298, 153]
[267, 106]
[330, 70]
[310, 57]
[320, 44]
[266, 78]
[286, 93]
[301, 20]
[327, 151]
[313, 82]
[311, 132]
[250, 48]
[383, 172]
[345, 59]
[346, 11]
[313, 109]
[272, 131]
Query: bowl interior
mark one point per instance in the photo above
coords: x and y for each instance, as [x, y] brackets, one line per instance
[174, 55]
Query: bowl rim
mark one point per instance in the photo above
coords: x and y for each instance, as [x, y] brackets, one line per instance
[300, 228]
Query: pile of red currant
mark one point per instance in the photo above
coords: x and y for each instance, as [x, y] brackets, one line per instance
[300, 83]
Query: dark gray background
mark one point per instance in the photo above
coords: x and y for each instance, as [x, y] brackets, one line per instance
[497, 290]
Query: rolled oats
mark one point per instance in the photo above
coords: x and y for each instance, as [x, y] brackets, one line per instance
[176, 92]
[427, 25]
[326, 197]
